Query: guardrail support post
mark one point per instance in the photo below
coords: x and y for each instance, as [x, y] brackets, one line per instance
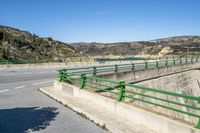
[61, 74]
[122, 91]
[180, 61]
[192, 60]
[83, 77]
[146, 65]
[166, 63]
[116, 68]
[157, 65]
[174, 62]
[94, 70]
[198, 124]
[133, 67]
[186, 60]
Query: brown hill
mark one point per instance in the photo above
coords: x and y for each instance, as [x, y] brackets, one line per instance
[22, 45]
[182, 45]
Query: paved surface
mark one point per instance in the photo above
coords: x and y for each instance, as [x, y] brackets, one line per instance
[24, 109]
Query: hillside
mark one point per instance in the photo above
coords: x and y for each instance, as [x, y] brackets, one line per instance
[181, 45]
[22, 45]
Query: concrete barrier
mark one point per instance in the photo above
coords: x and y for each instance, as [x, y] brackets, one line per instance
[145, 74]
[59, 65]
[135, 114]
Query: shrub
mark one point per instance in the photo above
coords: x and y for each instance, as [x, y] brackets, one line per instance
[1, 36]
[49, 39]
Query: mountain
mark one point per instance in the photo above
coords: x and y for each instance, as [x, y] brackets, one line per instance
[180, 45]
[21, 45]
[16, 44]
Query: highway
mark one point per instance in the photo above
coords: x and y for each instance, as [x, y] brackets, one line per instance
[24, 109]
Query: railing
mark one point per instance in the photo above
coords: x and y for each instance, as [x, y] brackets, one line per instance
[151, 98]
[94, 70]
[144, 96]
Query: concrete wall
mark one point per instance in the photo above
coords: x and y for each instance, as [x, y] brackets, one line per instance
[183, 79]
[139, 75]
[185, 82]
[67, 64]
[140, 116]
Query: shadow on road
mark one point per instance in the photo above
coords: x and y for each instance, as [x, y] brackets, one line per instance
[20, 120]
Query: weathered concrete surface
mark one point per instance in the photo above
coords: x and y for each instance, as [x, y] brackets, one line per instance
[185, 82]
[118, 117]
[96, 112]
[183, 79]
[147, 74]
[67, 64]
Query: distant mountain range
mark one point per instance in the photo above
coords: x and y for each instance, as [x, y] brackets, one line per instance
[21, 45]
[180, 45]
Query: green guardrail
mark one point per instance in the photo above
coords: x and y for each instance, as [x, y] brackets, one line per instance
[86, 78]
[94, 70]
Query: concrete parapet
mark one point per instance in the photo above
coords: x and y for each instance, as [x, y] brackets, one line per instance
[134, 114]
[51, 65]
[146, 74]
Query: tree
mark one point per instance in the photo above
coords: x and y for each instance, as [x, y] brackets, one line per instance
[49, 39]
[1, 36]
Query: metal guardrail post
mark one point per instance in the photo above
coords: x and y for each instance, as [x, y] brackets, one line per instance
[62, 75]
[94, 70]
[122, 91]
[192, 60]
[157, 65]
[146, 65]
[116, 68]
[180, 61]
[83, 81]
[166, 63]
[133, 67]
[198, 124]
[174, 62]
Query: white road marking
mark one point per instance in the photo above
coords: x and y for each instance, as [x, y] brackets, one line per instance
[42, 82]
[4, 90]
[43, 72]
[25, 73]
[9, 74]
[12, 74]
[19, 87]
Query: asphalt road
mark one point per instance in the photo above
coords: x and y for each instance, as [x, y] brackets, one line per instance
[24, 109]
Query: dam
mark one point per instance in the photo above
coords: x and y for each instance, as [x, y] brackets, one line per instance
[163, 96]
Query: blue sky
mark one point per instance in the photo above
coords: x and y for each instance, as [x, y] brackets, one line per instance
[103, 20]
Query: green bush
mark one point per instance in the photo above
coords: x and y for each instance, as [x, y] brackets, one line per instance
[1, 36]
[2, 50]
[49, 39]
